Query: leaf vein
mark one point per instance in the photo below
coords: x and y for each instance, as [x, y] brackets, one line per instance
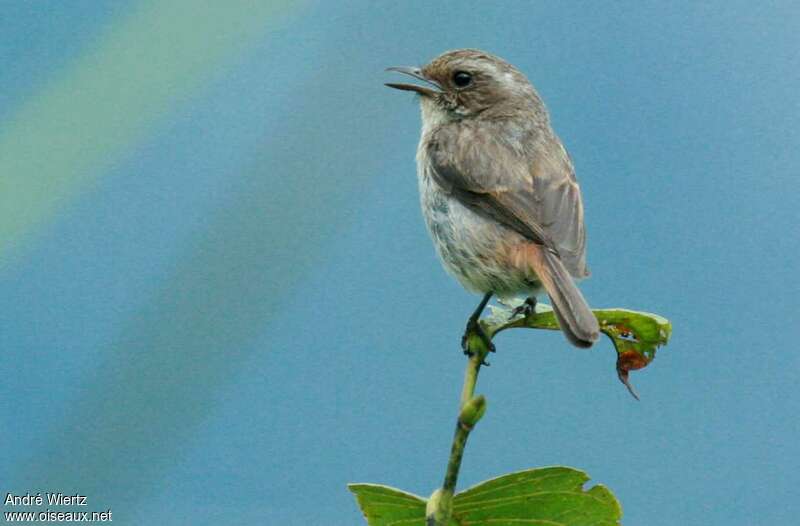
[505, 500]
[468, 495]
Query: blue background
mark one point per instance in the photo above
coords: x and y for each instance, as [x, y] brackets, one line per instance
[222, 305]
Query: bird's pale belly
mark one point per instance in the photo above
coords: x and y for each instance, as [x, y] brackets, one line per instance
[479, 253]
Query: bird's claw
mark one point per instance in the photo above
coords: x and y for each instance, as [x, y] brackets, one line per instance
[527, 308]
[475, 326]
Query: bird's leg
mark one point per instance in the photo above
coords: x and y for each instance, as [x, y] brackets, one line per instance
[527, 308]
[473, 325]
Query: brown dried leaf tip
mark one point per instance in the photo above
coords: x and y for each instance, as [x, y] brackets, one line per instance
[630, 361]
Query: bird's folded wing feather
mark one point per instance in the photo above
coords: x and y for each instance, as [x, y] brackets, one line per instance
[524, 180]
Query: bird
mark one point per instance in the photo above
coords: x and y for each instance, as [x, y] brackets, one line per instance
[498, 190]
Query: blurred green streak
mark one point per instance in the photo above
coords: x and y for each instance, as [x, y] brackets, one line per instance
[160, 377]
[62, 138]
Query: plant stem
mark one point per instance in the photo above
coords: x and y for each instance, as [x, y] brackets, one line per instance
[470, 411]
[470, 378]
[462, 430]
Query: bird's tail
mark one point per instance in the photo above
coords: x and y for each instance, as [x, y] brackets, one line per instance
[573, 313]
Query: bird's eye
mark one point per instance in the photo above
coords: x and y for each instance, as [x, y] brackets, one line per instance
[462, 79]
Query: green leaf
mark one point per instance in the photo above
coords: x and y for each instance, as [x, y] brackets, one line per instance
[545, 496]
[635, 335]
[552, 496]
[387, 506]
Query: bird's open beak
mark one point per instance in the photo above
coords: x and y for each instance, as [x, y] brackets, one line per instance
[417, 74]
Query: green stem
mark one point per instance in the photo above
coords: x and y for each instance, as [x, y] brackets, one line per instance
[462, 429]
[470, 378]
[471, 409]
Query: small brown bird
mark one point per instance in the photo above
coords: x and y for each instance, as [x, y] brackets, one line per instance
[497, 188]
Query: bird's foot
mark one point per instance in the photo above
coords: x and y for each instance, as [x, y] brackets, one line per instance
[474, 327]
[527, 308]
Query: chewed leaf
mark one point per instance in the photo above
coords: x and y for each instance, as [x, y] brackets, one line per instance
[635, 335]
[387, 506]
[547, 496]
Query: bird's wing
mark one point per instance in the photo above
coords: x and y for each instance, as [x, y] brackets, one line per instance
[522, 178]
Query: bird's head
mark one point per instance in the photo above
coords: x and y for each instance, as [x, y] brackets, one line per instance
[468, 83]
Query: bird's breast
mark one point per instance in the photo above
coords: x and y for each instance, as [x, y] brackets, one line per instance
[477, 251]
